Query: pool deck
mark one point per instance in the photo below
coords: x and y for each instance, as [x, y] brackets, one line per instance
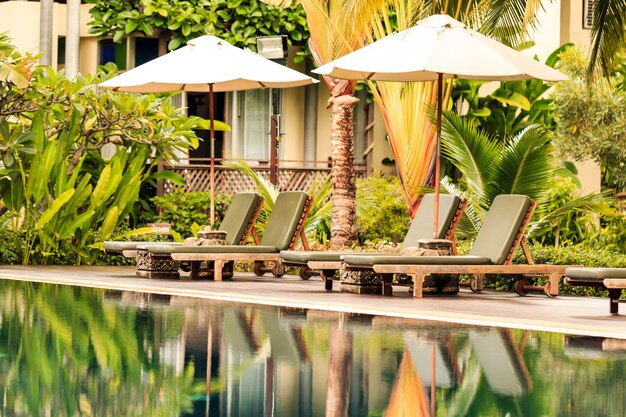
[564, 314]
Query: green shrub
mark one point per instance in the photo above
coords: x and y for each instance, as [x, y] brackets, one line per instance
[183, 209]
[382, 214]
[581, 255]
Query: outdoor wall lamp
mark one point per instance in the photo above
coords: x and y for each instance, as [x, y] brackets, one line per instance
[276, 49]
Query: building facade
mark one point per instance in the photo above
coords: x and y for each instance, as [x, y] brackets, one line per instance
[305, 120]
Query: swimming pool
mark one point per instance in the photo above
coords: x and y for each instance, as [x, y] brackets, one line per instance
[70, 351]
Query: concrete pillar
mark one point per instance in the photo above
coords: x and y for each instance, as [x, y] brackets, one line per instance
[45, 31]
[310, 122]
[72, 40]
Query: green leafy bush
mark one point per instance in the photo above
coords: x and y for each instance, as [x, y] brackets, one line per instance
[183, 209]
[580, 255]
[58, 191]
[382, 214]
[591, 119]
[238, 22]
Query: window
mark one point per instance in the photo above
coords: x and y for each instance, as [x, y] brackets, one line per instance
[146, 49]
[141, 50]
[61, 52]
[112, 52]
[253, 124]
[588, 12]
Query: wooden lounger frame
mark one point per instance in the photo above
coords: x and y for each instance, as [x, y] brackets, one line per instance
[220, 259]
[614, 287]
[419, 272]
[132, 253]
[327, 268]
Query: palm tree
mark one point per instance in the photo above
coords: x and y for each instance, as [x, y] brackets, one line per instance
[338, 27]
[341, 26]
[608, 35]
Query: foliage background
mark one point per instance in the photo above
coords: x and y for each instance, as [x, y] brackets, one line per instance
[237, 21]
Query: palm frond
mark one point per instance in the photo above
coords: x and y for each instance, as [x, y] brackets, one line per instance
[472, 217]
[320, 213]
[265, 188]
[508, 21]
[471, 151]
[598, 203]
[526, 165]
[608, 35]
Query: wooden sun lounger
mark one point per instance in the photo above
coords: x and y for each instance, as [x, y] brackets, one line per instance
[238, 223]
[270, 245]
[326, 263]
[611, 279]
[482, 260]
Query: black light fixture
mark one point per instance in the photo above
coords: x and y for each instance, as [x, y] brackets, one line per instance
[276, 49]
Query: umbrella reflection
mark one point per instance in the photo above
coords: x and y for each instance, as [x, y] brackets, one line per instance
[408, 398]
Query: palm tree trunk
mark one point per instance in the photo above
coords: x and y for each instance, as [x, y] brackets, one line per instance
[45, 31]
[343, 223]
[339, 372]
[72, 40]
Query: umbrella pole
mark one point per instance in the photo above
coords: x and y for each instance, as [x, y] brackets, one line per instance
[438, 155]
[212, 128]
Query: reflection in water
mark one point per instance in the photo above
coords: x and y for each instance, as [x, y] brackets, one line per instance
[68, 351]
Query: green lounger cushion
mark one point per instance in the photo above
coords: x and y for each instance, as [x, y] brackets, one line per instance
[422, 224]
[368, 260]
[421, 228]
[302, 257]
[119, 246]
[283, 222]
[238, 216]
[492, 245]
[163, 249]
[500, 227]
[598, 274]
[280, 229]
[236, 220]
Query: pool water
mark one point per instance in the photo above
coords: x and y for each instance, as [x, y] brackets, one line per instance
[70, 351]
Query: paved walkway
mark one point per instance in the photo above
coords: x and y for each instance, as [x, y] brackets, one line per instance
[574, 315]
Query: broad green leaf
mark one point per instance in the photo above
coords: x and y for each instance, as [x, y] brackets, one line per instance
[515, 99]
[54, 208]
[67, 229]
[100, 192]
[109, 223]
[170, 176]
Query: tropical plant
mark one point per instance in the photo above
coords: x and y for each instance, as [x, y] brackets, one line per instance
[381, 210]
[238, 22]
[184, 209]
[15, 67]
[339, 27]
[60, 195]
[591, 120]
[317, 222]
[608, 36]
[521, 164]
[511, 107]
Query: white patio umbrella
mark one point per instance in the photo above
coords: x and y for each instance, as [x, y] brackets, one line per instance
[435, 48]
[207, 64]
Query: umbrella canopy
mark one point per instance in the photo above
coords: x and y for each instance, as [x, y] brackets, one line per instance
[435, 48]
[207, 64]
[436, 45]
[205, 61]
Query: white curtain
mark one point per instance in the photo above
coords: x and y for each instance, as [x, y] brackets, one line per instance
[254, 124]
